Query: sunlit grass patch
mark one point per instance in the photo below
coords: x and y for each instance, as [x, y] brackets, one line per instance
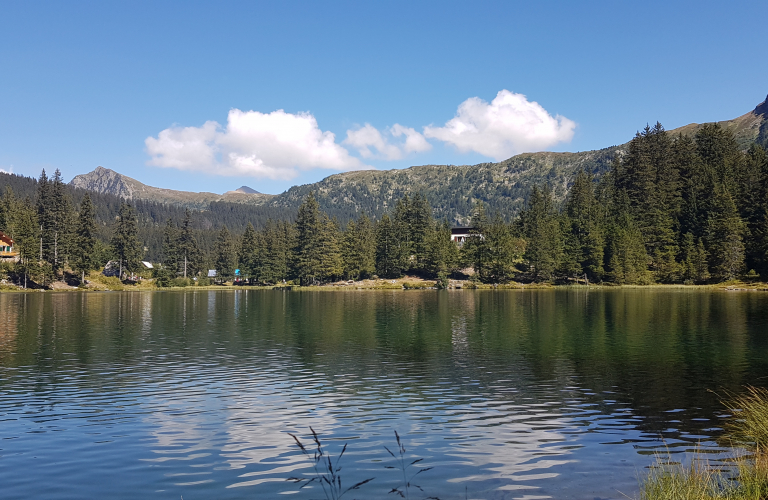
[745, 477]
[748, 424]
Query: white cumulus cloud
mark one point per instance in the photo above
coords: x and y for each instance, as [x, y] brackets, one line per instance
[273, 145]
[9, 171]
[508, 125]
[388, 144]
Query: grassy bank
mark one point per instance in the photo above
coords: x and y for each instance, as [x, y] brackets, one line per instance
[98, 282]
[745, 478]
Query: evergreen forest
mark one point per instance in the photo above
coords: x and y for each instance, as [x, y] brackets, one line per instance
[670, 209]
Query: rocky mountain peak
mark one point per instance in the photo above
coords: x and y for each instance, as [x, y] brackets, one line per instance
[104, 180]
[762, 108]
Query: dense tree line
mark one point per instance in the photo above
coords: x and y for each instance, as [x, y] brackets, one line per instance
[151, 217]
[670, 210]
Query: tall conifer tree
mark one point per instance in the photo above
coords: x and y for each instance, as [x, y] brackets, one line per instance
[307, 252]
[125, 242]
[85, 238]
[226, 254]
[541, 228]
[391, 257]
[249, 253]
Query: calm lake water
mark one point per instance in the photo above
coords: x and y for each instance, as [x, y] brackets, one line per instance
[507, 394]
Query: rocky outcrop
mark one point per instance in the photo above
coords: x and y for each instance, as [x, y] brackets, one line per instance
[762, 108]
[106, 181]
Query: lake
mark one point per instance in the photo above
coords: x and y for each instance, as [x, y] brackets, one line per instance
[566, 394]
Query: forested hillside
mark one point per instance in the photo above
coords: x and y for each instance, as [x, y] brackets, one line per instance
[151, 216]
[451, 190]
[666, 207]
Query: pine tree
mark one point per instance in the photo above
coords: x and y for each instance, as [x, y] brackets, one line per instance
[330, 266]
[8, 208]
[307, 256]
[61, 222]
[475, 249]
[503, 250]
[170, 256]
[721, 156]
[85, 238]
[20, 223]
[6, 200]
[249, 253]
[725, 231]
[282, 252]
[189, 257]
[584, 236]
[696, 187]
[442, 255]
[44, 217]
[125, 242]
[271, 270]
[401, 222]
[543, 234]
[650, 178]
[701, 264]
[226, 255]
[391, 258]
[359, 249]
[627, 257]
[421, 224]
[754, 208]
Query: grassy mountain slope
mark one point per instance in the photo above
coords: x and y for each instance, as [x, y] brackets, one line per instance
[452, 190]
[747, 128]
[503, 186]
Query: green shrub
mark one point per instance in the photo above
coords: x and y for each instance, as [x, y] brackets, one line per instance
[203, 281]
[421, 285]
[442, 281]
[112, 282]
[163, 277]
[180, 282]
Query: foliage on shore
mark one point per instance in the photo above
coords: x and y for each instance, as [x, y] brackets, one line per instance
[672, 210]
[744, 478]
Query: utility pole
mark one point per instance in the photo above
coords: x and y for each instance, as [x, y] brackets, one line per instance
[41, 242]
[185, 265]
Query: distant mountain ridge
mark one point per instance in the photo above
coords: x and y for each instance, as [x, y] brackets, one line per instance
[106, 181]
[452, 190]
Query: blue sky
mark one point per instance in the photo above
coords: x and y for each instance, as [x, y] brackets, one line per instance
[87, 83]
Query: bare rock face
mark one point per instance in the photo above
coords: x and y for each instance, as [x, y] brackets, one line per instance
[104, 180]
[762, 108]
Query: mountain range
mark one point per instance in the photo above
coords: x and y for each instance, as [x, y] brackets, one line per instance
[451, 189]
[105, 181]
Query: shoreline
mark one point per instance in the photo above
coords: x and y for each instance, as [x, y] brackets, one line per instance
[401, 284]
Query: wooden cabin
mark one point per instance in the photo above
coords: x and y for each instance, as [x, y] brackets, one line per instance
[7, 251]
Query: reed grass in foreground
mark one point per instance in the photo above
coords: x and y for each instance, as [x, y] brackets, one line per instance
[746, 479]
